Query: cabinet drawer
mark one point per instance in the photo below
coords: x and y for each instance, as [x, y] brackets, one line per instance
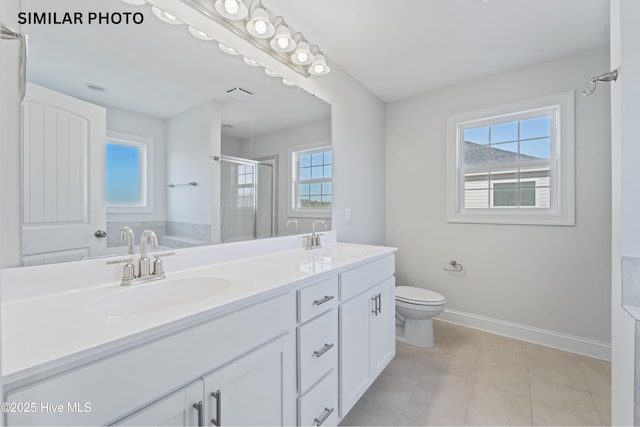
[359, 279]
[317, 349]
[317, 298]
[319, 406]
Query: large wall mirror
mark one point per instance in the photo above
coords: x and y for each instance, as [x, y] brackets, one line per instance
[150, 127]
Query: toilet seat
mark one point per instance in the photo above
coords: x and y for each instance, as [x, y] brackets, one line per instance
[418, 296]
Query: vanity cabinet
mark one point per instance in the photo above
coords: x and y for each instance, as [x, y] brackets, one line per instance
[247, 392]
[137, 379]
[301, 355]
[367, 328]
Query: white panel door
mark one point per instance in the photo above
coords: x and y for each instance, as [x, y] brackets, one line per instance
[63, 177]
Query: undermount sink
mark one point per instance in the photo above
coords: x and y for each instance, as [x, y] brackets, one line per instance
[157, 296]
[339, 251]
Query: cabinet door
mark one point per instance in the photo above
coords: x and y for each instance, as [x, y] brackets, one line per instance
[249, 390]
[383, 327]
[177, 409]
[354, 319]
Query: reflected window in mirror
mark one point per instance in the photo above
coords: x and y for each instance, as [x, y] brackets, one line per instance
[245, 187]
[312, 181]
[128, 173]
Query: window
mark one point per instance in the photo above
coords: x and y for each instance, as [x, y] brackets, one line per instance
[513, 164]
[128, 173]
[312, 191]
[245, 187]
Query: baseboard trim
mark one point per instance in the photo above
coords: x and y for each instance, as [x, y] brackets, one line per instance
[558, 340]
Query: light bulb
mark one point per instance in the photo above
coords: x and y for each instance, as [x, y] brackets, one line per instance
[260, 26]
[302, 56]
[318, 68]
[231, 6]
[283, 42]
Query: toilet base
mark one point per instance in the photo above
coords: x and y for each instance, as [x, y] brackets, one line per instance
[418, 332]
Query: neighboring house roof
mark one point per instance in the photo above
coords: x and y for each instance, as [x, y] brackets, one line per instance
[478, 153]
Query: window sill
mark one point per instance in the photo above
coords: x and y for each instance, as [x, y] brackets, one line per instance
[513, 219]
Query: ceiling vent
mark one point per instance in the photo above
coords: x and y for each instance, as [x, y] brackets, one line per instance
[239, 94]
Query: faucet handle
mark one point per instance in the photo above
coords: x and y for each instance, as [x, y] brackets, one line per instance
[128, 272]
[158, 267]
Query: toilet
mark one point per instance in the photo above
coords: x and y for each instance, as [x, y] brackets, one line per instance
[416, 308]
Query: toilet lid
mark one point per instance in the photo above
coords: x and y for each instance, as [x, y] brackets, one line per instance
[414, 295]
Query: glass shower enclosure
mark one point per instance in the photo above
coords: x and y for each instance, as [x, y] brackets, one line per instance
[246, 199]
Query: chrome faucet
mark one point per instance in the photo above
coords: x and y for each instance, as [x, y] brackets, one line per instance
[312, 241]
[145, 274]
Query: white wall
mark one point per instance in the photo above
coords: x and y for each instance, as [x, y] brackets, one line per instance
[547, 277]
[150, 127]
[192, 137]
[232, 146]
[625, 110]
[316, 134]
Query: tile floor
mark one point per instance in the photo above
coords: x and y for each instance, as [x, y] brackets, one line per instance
[475, 378]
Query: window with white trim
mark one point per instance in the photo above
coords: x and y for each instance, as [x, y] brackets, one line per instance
[311, 177]
[513, 164]
[128, 173]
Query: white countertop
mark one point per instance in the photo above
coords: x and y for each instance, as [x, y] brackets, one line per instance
[57, 329]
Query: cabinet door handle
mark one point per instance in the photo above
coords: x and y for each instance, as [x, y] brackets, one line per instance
[218, 396]
[323, 300]
[323, 417]
[379, 296]
[375, 305]
[198, 407]
[323, 350]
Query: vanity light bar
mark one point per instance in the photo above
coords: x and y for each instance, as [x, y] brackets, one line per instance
[310, 57]
[271, 35]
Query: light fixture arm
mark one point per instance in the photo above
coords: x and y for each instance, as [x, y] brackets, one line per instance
[298, 37]
[252, 6]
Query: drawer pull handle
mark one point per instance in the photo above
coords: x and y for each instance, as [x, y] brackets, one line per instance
[218, 396]
[323, 300]
[323, 350]
[198, 407]
[323, 417]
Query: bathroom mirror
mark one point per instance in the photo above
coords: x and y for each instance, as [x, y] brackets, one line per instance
[149, 126]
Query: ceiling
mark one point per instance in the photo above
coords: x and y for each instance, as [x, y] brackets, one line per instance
[399, 48]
